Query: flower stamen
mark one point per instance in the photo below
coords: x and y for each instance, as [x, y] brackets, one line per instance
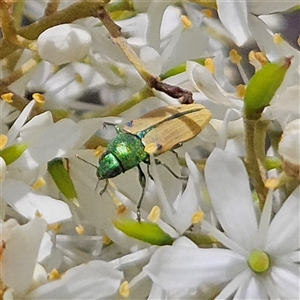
[3, 141]
[154, 214]
[124, 289]
[259, 261]
[7, 97]
[197, 217]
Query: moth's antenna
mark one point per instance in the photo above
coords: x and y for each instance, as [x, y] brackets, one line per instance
[81, 158]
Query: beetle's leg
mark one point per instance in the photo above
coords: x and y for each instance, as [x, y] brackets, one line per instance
[142, 180]
[175, 147]
[111, 124]
[105, 187]
[159, 162]
[148, 172]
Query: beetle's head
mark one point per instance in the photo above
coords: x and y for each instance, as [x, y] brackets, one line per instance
[109, 166]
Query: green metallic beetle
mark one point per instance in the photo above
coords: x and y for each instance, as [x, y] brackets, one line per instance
[154, 133]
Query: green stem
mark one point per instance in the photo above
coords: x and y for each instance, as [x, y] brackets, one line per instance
[255, 132]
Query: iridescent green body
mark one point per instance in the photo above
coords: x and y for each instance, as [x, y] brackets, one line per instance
[124, 152]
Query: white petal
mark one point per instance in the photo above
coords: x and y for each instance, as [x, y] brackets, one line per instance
[189, 201]
[252, 288]
[36, 127]
[45, 248]
[64, 43]
[289, 146]
[284, 230]
[179, 52]
[43, 71]
[64, 135]
[27, 202]
[234, 16]
[39, 276]
[87, 128]
[2, 169]
[203, 81]
[152, 60]
[288, 102]
[286, 280]
[228, 186]
[14, 130]
[155, 14]
[94, 280]
[20, 255]
[176, 268]
[264, 38]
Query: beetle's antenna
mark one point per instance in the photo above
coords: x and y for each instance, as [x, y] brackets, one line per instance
[81, 158]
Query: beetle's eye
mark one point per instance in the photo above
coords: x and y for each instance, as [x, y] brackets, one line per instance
[129, 124]
[158, 146]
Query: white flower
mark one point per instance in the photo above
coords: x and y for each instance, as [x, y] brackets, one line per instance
[64, 43]
[236, 271]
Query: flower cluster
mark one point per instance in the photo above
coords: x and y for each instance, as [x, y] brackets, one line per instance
[217, 219]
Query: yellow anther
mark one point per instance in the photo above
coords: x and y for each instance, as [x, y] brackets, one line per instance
[38, 214]
[79, 229]
[207, 13]
[272, 183]
[7, 97]
[39, 98]
[259, 57]
[298, 41]
[187, 24]
[277, 38]
[54, 275]
[124, 289]
[106, 240]
[197, 217]
[235, 57]
[56, 227]
[209, 64]
[240, 91]
[78, 78]
[154, 214]
[251, 56]
[39, 183]
[98, 151]
[121, 209]
[3, 141]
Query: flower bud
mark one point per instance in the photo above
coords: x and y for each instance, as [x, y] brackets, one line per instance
[64, 43]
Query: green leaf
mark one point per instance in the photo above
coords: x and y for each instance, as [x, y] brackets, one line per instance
[263, 85]
[62, 179]
[144, 231]
[180, 68]
[12, 153]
